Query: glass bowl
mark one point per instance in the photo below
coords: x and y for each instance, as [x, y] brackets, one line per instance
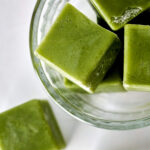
[120, 111]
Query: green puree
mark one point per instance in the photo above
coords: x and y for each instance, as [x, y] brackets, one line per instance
[118, 12]
[30, 126]
[137, 57]
[111, 83]
[79, 49]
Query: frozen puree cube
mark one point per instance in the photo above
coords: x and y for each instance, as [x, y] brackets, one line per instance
[79, 49]
[112, 82]
[30, 126]
[137, 57]
[118, 12]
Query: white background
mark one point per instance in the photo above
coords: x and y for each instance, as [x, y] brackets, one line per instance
[18, 83]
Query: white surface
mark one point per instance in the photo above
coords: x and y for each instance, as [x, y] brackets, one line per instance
[18, 83]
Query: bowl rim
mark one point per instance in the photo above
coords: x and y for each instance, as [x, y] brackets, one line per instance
[57, 97]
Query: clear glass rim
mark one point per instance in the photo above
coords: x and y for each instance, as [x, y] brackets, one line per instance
[58, 98]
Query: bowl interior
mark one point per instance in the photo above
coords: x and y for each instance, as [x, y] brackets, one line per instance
[126, 110]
